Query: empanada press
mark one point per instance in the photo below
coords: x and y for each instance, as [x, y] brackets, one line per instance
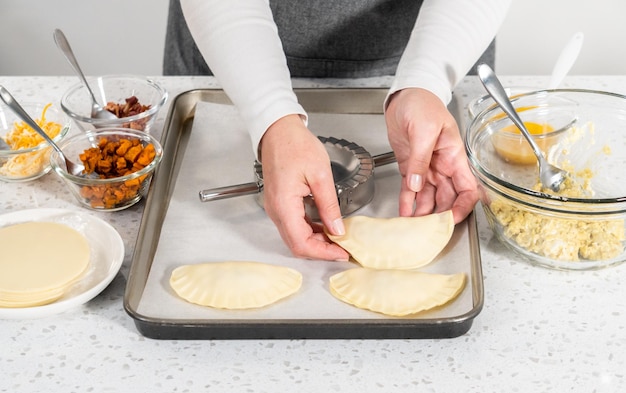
[353, 172]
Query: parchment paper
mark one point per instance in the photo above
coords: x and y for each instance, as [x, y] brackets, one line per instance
[219, 154]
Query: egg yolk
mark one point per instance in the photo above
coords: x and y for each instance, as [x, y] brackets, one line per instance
[511, 145]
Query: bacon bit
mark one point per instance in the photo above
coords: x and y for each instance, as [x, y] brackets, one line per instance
[130, 107]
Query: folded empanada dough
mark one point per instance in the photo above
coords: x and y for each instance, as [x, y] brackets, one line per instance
[234, 284]
[396, 243]
[395, 292]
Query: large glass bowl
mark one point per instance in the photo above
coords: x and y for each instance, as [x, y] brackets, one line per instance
[581, 228]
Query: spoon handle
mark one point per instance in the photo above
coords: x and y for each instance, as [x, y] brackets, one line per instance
[566, 60]
[497, 92]
[64, 45]
[17, 108]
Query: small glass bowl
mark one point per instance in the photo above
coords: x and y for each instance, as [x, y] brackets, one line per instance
[31, 163]
[77, 103]
[544, 124]
[111, 194]
[485, 102]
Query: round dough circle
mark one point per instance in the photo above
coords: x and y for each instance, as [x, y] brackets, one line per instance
[40, 259]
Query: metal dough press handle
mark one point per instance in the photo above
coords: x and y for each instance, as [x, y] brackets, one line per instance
[215, 194]
[384, 159]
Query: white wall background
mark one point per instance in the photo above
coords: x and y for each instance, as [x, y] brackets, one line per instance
[534, 32]
[117, 36]
[107, 36]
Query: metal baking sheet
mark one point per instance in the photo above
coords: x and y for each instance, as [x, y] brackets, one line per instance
[205, 146]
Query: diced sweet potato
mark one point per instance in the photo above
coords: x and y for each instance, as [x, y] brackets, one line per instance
[113, 159]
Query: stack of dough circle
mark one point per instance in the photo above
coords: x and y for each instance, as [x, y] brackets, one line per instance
[234, 284]
[40, 261]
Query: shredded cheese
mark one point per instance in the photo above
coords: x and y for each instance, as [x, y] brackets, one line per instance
[22, 136]
[563, 239]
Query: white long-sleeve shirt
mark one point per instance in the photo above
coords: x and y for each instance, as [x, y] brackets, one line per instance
[239, 40]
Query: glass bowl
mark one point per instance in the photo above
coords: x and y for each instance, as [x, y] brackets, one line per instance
[485, 102]
[28, 156]
[583, 226]
[117, 91]
[110, 190]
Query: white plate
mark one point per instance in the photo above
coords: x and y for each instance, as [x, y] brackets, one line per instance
[107, 255]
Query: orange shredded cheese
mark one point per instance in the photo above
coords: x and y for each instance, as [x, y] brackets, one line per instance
[22, 136]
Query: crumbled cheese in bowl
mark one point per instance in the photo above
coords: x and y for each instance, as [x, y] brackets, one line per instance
[559, 238]
[584, 238]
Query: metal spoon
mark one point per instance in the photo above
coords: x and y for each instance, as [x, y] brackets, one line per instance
[4, 145]
[551, 177]
[72, 168]
[97, 111]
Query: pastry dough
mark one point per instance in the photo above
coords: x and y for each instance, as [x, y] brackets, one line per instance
[395, 292]
[396, 243]
[40, 261]
[234, 284]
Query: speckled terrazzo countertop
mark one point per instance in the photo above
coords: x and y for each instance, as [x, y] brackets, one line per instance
[539, 330]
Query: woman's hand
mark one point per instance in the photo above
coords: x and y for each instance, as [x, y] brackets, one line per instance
[430, 154]
[295, 165]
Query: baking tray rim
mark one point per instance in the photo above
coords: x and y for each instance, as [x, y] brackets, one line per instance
[180, 114]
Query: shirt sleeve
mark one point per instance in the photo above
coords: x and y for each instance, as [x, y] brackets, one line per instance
[447, 39]
[239, 41]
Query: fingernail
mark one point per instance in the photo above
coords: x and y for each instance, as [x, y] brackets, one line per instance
[338, 228]
[415, 182]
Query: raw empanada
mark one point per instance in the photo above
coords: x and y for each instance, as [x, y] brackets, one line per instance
[395, 292]
[396, 243]
[235, 284]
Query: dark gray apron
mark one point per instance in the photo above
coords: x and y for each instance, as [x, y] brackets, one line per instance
[321, 38]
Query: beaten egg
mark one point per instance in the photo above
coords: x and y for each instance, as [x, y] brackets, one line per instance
[511, 145]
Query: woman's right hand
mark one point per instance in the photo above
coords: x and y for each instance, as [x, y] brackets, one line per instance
[296, 165]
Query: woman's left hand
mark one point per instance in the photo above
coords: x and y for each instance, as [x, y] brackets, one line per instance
[431, 156]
